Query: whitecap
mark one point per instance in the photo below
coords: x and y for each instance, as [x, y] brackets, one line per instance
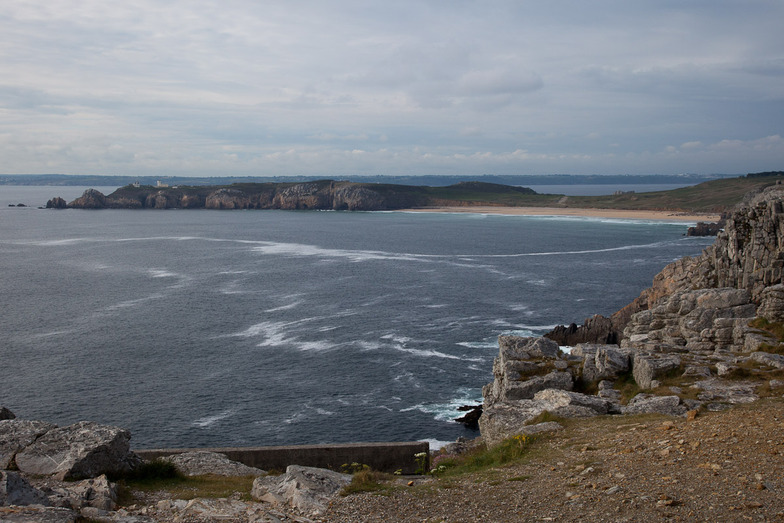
[208, 421]
[449, 411]
[284, 307]
[161, 273]
[436, 444]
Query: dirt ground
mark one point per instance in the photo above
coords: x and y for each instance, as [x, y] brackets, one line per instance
[720, 466]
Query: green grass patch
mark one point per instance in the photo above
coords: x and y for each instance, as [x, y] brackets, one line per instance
[512, 450]
[627, 387]
[367, 481]
[544, 417]
[208, 486]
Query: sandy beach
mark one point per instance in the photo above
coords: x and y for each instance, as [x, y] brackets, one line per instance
[560, 211]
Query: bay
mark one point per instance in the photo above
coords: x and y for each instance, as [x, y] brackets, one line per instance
[239, 328]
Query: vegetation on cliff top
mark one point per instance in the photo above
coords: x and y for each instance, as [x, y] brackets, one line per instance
[714, 196]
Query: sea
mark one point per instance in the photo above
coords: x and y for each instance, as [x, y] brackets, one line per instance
[197, 328]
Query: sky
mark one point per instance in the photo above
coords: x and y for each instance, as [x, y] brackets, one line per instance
[341, 87]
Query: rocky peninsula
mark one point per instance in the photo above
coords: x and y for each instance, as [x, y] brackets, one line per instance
[317, 195]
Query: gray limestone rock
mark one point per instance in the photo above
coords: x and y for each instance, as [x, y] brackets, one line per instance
[722, 391]
[649, 403]
[506, 419]
[772, 303]
[767, 358]
[17, 434]
[307, 489]
[522, 348]
[518, 390]
[15, 490]
[646, 368]
[82, 450]
[98, 493]
[554, 400]
[604, 362]
[199, 463]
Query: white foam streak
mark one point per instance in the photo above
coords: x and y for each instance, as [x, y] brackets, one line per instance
[208, 421]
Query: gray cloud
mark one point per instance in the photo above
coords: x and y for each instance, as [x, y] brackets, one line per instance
[306, 87]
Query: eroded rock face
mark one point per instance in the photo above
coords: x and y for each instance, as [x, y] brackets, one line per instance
[705, 319]
[83, 450]
[307, 489]
[90, 199]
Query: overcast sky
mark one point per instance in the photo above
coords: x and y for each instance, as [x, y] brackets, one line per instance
[253, 87]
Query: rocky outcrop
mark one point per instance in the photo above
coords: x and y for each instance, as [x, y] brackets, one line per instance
[306, 489]
[199, 463]
[705, 229]
[91, 199]
[691, 328]
[16, 490]
[16, 435]
[56, 203]
[321, 195]
[747, 255]
[83, 450]
[6, 414]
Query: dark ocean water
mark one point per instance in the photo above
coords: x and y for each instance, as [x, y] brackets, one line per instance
[230, 328]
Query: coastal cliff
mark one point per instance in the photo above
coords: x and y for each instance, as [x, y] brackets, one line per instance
[705, 335]
[748, 254]
[319, 195]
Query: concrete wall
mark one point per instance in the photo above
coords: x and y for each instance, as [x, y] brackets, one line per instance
[385, 457]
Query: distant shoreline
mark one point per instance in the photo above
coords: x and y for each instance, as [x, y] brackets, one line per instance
[621, 214]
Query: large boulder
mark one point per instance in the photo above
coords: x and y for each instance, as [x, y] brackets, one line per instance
[199, 463]
[307, 489]
[647, 368]
[82, 450]
[603, 362]
[649, 403]
[16, 434]
[15, 490]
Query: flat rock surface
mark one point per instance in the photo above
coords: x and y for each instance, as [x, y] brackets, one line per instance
[202, 462]
[721, 466]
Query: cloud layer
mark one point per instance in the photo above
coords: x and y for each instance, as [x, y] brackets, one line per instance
[202, 87]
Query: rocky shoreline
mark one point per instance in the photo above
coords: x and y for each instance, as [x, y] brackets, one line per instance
[696, 340]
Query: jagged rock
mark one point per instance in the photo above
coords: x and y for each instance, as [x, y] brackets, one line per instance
[525, 366]
[705, 229]
[6, 414]
[90, 199]
[772, 303]
[199, 463]
[37, 514]
[17, 434]
[603, 362]
[504, 420]
[716, 390]
[527, 389]
[82, 450]
[307, 489]
[471, 417]
[649, 403]
[522, 348]
[646, 368]
[98, 493]
[558, 401]
[15, 490]
[56, 203]
[698, 371]
[766, 358]
[596, 329]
